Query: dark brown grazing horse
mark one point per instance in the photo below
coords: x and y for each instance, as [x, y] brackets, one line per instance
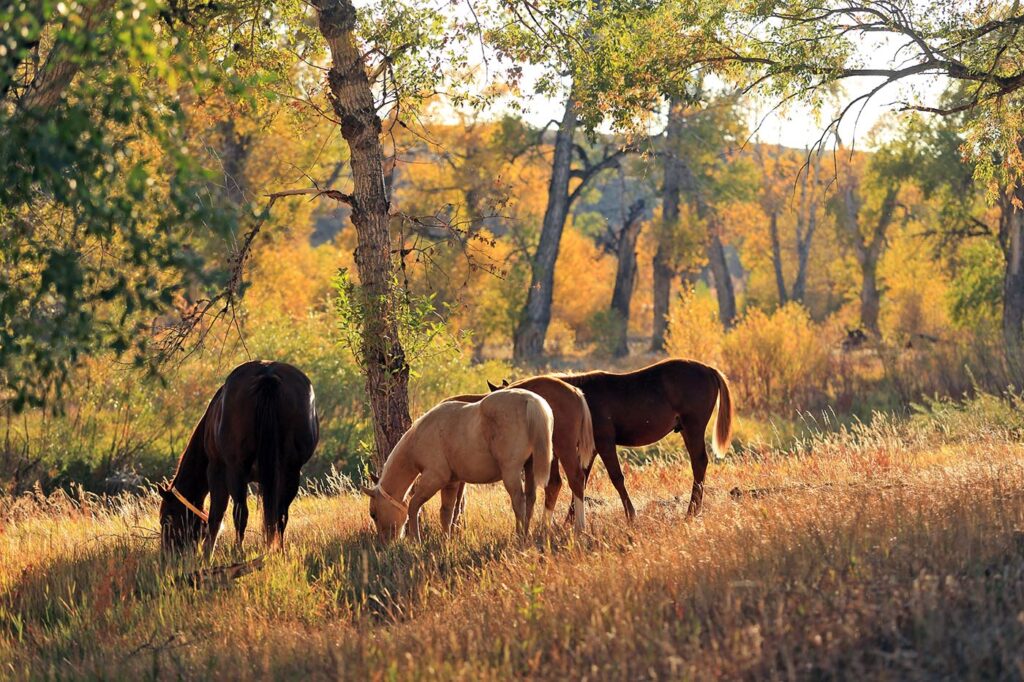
[260, 426]
[642, 407]
[573, 441]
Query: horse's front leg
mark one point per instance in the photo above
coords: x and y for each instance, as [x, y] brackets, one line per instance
[426, 487]
[218, 505]
[606, 448]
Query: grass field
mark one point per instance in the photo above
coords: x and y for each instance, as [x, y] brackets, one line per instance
[890, 551]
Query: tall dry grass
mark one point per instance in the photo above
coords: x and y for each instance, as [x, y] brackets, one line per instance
[886, 551]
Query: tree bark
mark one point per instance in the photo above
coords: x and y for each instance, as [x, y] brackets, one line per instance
[724, 290]
[868, 253]
[805, 228]
[528, 342]
[780, 278]
[723, 280]
[62, 64]
[383, 358]
[625, 275]
[663, 272]
[235, 150]
[1011, 237]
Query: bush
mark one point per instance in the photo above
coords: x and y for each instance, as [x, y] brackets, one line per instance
[778, 361]
[693, 328]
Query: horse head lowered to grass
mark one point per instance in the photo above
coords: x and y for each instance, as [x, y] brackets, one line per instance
[260, 426]
[499, 438]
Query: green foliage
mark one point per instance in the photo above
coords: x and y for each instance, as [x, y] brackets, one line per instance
[976, 294]
[100, 194]
[424, 334]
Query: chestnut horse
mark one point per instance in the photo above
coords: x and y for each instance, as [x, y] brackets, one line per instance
[260, 426]
[573, 441]
[499, 438]
[642, 407]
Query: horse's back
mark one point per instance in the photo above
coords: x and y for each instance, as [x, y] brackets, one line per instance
[282, 388]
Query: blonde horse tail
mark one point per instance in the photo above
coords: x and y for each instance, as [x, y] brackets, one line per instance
[723, 423]
[586, 448]
[539, 425]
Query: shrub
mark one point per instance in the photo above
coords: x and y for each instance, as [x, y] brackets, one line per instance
[778, 361]
[693, 328]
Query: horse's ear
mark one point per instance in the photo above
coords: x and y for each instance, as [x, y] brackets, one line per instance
[375, 479]
[369, 492]
[504, 383]
[492, 386]
[164, 489]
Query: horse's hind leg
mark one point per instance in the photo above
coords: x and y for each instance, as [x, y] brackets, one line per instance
[577, 484]
[551, 491]
[513, 480]
[240, 512]
[287, 489]
[694, 438]
[530, 499]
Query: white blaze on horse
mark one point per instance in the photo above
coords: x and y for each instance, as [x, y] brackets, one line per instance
[506, 434]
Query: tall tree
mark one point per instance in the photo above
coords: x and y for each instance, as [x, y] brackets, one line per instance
[662, 266]
[625, 273]
[528, 343]
[383, 358]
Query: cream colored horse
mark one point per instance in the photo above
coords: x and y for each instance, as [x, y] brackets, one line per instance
[497, 439]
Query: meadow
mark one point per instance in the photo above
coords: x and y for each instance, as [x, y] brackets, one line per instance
[893, 550]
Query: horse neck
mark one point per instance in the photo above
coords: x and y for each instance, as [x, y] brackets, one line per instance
[190, 478]
[399, 473]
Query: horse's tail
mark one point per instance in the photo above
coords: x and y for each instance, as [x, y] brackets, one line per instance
[539, 425]
[268, 448]
[723, 422]
[585, 446]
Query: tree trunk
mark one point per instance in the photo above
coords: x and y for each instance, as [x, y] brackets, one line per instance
[528, 342]
[780, 279]
[383, 358]
[723, 280]
[868, 253]
[869, 297]
[625, 275]
[235, 150]
[806, 226]
[1011, 236]
[663, 271]
[62, 64]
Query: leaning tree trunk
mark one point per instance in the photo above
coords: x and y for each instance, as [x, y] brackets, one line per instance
[528, 343]
[663, 272]
[780, 278]
[1011, 235]
[625, 276]
[723, 280]
[383, 359]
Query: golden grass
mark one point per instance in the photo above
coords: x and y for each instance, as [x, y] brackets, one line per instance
[892, 552]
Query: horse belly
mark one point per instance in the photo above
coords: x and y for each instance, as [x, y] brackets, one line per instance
[644, 428]
[476, 472]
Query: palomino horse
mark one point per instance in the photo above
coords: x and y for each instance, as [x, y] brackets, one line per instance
[260, 426]
[573, 441]
[496, 439]
[642, 407]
